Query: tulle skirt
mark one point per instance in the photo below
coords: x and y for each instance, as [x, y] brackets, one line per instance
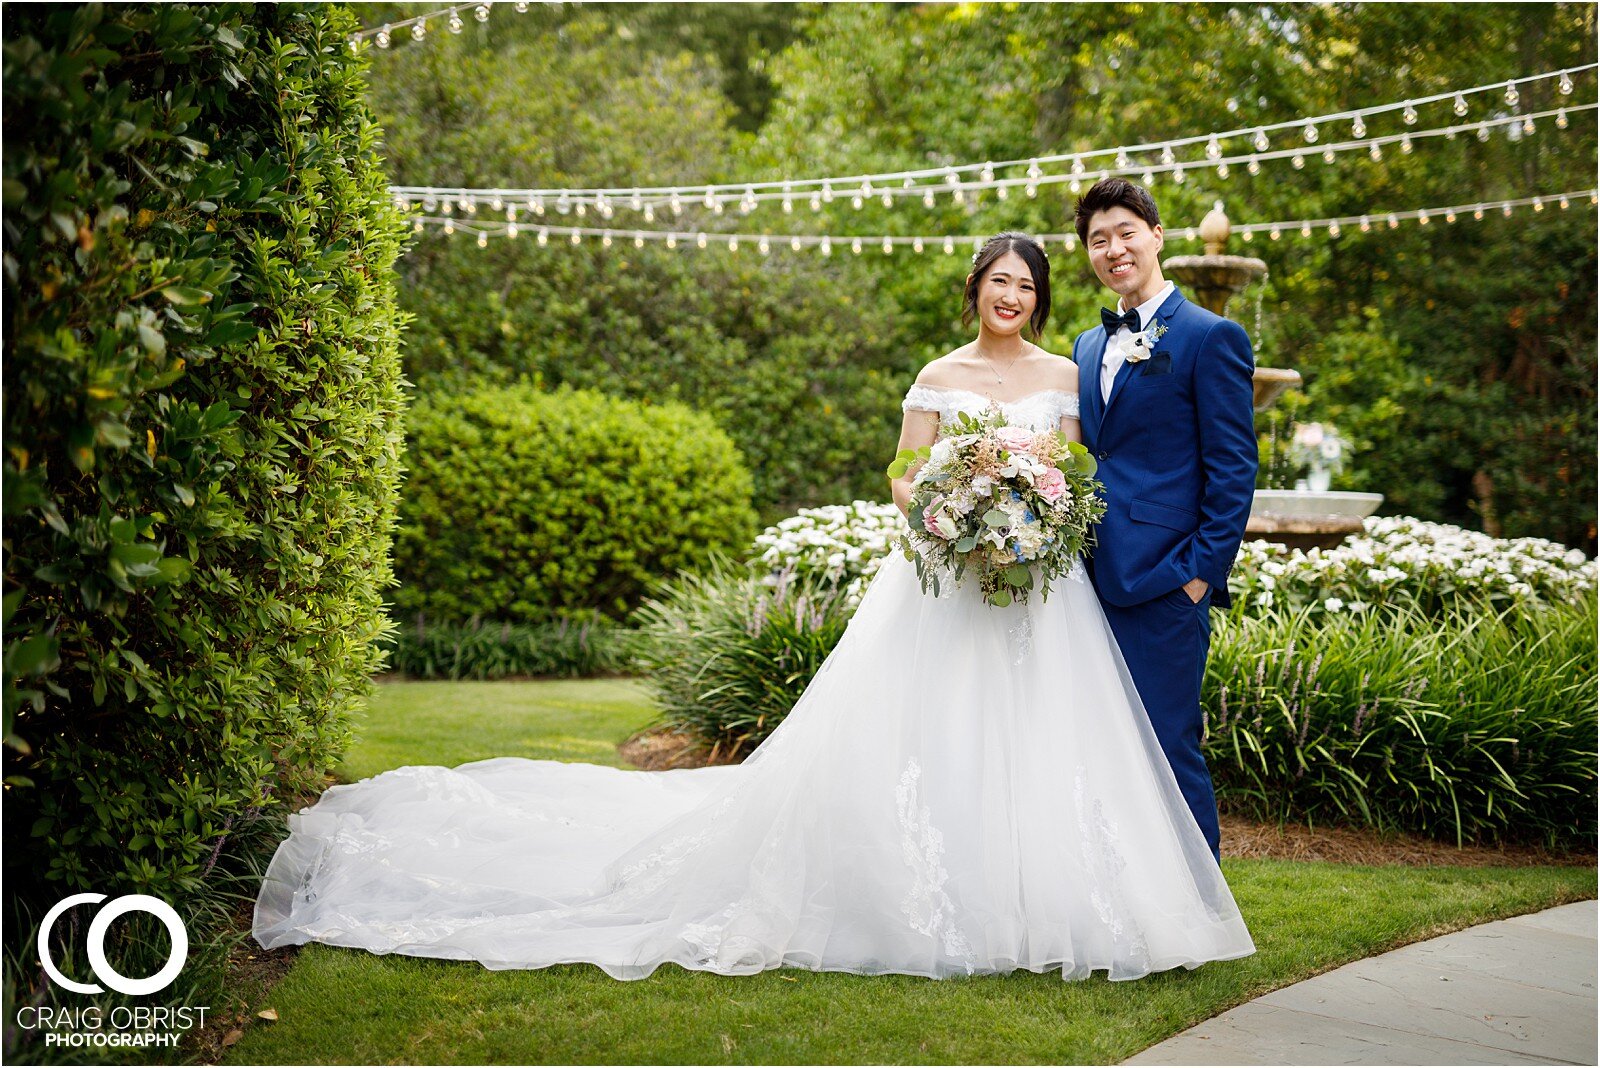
[961, 790]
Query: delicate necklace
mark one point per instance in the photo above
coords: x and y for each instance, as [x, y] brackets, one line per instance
[998, 377]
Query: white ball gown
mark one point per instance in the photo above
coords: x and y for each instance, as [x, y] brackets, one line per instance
[961, 790]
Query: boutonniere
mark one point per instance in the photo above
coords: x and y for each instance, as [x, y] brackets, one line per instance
[1144, 342]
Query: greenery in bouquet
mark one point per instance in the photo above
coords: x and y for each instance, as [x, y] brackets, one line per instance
[1010, 503]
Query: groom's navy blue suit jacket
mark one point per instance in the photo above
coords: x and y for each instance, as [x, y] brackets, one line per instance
[1176, 444]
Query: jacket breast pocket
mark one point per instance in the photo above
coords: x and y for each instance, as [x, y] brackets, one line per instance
[1163, 515]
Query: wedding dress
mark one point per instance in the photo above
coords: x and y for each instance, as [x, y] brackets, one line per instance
[961, 790]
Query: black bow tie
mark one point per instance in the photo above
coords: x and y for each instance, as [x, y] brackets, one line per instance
[1114, 322]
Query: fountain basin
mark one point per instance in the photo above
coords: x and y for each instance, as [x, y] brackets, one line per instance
[1270, 383]
[1304, 519]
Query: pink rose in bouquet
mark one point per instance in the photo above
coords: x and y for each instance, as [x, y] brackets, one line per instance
[1014, 439]
[1052, 485]
[939, 525]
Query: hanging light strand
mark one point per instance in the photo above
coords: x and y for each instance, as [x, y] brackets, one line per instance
[407, 196]
[417, 25]
[947, 243]
[955, 178]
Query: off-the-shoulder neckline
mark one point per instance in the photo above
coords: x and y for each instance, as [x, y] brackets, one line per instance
[985, 397]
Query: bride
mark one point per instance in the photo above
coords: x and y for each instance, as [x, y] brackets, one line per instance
[961, 790]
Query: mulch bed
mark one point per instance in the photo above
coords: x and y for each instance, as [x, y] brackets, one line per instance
[661, 749]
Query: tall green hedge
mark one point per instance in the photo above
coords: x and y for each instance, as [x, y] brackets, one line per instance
[522, 506]
[202, 426]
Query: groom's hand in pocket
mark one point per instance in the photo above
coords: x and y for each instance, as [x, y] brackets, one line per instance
[1196, 589]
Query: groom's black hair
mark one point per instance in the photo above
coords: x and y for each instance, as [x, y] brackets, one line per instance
[1110, 193]
[1032, 254]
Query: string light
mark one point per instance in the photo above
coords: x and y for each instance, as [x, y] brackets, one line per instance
[1460, 104]
[1512, 96]
[1261, 141]
[1335, 227]
[455, 21]
[1409, 116]
[1565, 84]
[419, 29]
[1358, 128]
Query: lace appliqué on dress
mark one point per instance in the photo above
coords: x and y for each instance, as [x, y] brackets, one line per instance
[1098, 836]
[927, 907]
[1037, 411]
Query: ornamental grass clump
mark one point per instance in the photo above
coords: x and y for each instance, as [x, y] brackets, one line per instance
[726, 656]
[1467, 726]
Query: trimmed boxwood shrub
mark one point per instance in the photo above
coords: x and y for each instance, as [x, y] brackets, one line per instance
[202, 429]
[522, 506]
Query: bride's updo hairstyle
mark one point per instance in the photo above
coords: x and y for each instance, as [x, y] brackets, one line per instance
[1032, 254]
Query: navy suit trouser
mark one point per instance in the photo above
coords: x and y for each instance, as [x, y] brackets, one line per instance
[1165, 642]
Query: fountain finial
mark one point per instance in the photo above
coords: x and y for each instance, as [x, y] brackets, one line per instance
[1214, 230]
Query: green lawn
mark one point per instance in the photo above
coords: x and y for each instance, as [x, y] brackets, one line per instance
[347, 1006]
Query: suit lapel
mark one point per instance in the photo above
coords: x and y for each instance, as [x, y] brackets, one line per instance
[1169, 307]
[1089, 384]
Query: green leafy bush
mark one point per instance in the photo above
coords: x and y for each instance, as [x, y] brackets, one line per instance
[523, 505]
[202, 433]
[727, 656]
[1470, 726]
[478, 650]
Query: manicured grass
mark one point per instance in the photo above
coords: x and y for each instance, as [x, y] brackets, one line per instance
[349, 1006]
[450, 723]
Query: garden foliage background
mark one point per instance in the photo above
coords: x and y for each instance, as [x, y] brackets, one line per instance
[1459, 358]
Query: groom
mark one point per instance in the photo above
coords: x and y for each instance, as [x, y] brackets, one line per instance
[1167, 409]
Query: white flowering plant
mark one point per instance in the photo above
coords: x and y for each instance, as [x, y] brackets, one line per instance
[1406, 560]
[1013, 505]
[839, 545]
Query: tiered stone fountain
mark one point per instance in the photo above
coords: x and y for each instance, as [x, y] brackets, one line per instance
[1300, 519]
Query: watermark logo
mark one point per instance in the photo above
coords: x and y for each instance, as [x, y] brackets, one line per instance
[101, 967]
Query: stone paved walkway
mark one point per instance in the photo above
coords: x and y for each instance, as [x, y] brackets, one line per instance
[1517, 991]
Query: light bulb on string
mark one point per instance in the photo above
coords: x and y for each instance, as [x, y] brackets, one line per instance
[887, 199]
[1305, 229]
[400, 203]
[1527, 125]
[605, 239]
[416, 226]
[469, 204]
[986, 175]
[1246, 235]
[537, 204]
[762, 246]
[1564, 202]
[716, 206]
[733, 244]
[1189, 234]
[635, 201]
[1077, 165]
[1512, 96]
[957, 196]
[927, 198]
[1483, 131]
[916, 244]
[419, 29]
[1275, 233]
[544, 236]
[1477, 212]
[481, 12]
[1409, 115]
[483, 240]
[855, 246]
[1310, 133]
[1167, 157]
[455, 21]
[794, 243]
[1075, 185]
[638, 240]
[1222, 170]
[1594, 198]
[1149, 177]
[606, 210]
[1254, 166]
[1376, 151]
[521, 7]
[1366, 225]
[449, 226]
[1333, 228]
[949, 247]
[649, 213]
[1460, 106]
[1214, 148]
[788, 200]
[1070, 243]
[827, 193]
[816, 201]
[866, 191]
[887, 246]
[1450, 216]
[1358, 128]
[1422, 218]
[1538, 204]
[1261, 141]
[1405, 144]
[825, 247]
[383, 37]
[563, 204]
[577, 238]
[1177, 175]
[1298, 161]
[511, 213]
[1561, 118]
[1565, 84]
[580, 209]
[700, 239]
[675, 203]
[1505, 209]
[710, 197]
[1328, 155]
[1393, 221]
[1001, 192]
[748, 204]
[496, 203]
[672, 240]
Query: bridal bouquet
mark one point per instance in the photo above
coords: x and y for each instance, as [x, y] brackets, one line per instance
[1005, 502]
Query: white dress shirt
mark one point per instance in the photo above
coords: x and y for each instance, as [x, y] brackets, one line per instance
[1118, 344]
